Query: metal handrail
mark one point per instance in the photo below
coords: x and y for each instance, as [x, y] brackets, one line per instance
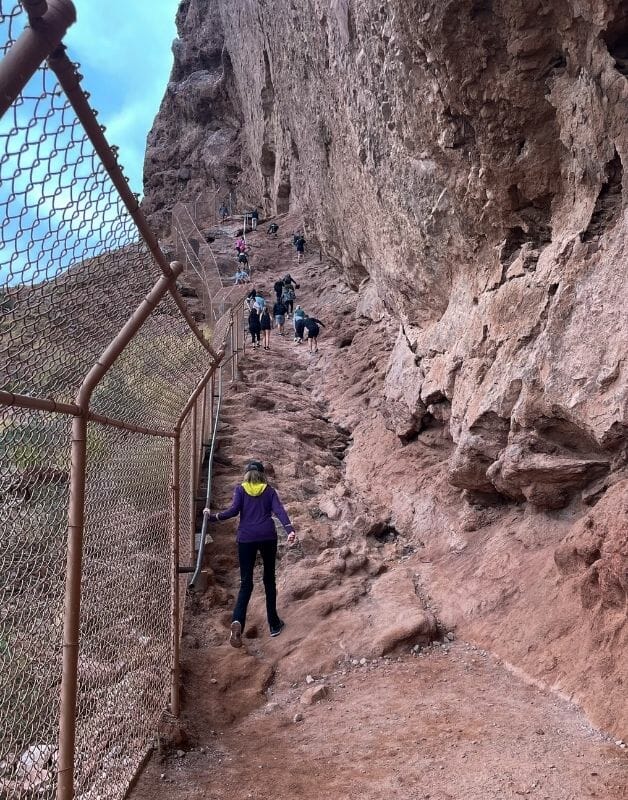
[201, 544]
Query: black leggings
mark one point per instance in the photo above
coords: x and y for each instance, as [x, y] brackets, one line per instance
[254, 337]
[247, 553]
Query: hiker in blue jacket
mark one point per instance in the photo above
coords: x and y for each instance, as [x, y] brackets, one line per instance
[255, 501]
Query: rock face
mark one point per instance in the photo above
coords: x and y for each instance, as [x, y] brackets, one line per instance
[484, 146]
[462, 164]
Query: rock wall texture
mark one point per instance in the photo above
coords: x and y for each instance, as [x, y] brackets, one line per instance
[462, 164]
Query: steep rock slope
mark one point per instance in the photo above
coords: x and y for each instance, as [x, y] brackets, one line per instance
[462, 164]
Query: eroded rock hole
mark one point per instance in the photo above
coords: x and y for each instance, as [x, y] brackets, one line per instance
[609, 201]
[283, 195]
[481, 9]
[616, 40]
[515, 239]
[267, 163]
[388, 533]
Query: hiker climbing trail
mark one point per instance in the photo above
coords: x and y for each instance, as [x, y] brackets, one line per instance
[364, 692]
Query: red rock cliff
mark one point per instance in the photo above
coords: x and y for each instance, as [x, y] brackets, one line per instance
[461, 163]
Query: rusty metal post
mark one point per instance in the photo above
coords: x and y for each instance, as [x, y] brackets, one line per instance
[193, 426]
[203, 435]
[72, 606]
[211, 403]
[34, 44]
[243, 328]
[233, 351]
[239, 328]
[175, 708]
[76, 525]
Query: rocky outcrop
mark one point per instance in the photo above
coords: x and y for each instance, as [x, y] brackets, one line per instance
[483, 143]
[462, 165]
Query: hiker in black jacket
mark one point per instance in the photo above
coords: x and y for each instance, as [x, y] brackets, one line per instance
[279, 315]
[254, 327]
[265, 325]
[278, 287]
[313, 327]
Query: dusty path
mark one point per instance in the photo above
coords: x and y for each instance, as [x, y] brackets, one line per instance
[449, 723]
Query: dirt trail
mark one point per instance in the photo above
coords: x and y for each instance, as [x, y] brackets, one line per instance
[444, 721]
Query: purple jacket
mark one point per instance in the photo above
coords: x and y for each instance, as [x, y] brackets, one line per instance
[256, 523]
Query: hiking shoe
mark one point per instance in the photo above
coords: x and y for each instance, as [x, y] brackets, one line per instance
[276, 631]
[235, 639]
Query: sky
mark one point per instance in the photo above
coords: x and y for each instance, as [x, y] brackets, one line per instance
[124, 47]
[55, 209]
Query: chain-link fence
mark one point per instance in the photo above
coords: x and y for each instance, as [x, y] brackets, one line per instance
[103, 419]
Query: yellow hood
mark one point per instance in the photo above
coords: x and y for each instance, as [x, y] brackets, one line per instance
[254, 489]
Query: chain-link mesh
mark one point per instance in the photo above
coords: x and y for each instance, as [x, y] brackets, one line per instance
[124, 655]
[201, 268]
[185, 495]
[72, 271]
[11, 24]
[34, 472]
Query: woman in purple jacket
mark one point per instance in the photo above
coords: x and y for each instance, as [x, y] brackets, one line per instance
[255, 501]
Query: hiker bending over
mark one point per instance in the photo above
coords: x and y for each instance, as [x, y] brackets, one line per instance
[313, 327]
[288, 280]
[272, 229]
[299, 313]
[299, 327]
[255, 501]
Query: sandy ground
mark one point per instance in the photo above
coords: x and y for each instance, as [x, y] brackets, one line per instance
[449, 723]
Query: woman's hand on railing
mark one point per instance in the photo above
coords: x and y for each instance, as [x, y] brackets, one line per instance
[207, 512]
[292, 538]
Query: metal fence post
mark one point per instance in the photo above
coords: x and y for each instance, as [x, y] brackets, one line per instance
[71, 621]
[211, 403]
[193, 465]
[174, 681]
[203, 433]
[233, 352]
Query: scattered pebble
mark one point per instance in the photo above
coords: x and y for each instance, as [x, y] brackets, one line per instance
[298, 717]
[309, 679]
